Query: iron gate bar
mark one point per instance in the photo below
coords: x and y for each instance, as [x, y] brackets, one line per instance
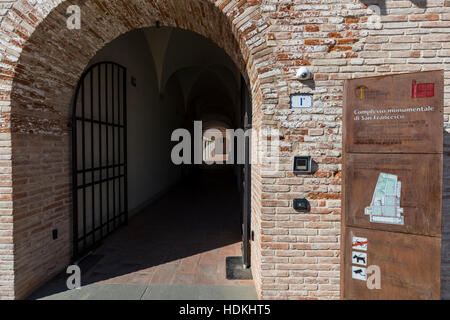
[83, 97]
[125, 144]
[113, 145]
[74, 180]
[98, 122]
[107, 146]
[92, 151]
[98, 228]
[100, 126]
[102, 168]
[99, 181]
[96, 232]
[118, 144]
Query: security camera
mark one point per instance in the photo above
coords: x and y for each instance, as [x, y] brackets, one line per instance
[303, 74]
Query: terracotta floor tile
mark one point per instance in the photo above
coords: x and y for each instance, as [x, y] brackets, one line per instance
[133, 278]
[208, 275]
[210, 257]
[184, 279]
[185, 237]
[189, 264]
[164, 274]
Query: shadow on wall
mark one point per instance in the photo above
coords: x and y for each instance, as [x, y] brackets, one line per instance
[445, 264]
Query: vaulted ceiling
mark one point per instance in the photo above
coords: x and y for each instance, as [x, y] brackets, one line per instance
[209, 79]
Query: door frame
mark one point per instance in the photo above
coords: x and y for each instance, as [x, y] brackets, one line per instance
[246, 177]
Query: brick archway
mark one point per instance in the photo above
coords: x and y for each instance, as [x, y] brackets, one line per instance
[41, 62]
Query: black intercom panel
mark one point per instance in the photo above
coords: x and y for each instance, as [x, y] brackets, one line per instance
[302, 164]
[302, 205]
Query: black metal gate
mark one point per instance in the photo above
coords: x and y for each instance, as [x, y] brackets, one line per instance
[246, 177]
[99, 157]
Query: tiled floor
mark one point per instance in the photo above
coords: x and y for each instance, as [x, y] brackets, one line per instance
[182, 240]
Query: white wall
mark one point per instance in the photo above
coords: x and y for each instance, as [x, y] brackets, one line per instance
[151, 119]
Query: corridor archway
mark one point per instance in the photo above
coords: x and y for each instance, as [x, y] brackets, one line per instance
[122, 123]
[45, 69]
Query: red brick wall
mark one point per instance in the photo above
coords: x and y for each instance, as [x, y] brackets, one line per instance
[301, 258]
[294, 256]
[41, 61]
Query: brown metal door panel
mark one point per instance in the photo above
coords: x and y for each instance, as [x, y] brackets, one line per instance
[409, 264]
[392, 185]
[381, 114]
[421, 188]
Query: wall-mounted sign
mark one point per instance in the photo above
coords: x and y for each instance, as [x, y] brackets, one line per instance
[395, 113]
[359, 243]
[359, 273]
[385, 205]
[359, 258]
[301, 101]
[409, 265]
[392, 192]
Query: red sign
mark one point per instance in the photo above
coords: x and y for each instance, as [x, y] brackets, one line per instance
[422, 90]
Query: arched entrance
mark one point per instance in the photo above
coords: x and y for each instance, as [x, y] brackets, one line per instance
[124, 104]
[45, 69]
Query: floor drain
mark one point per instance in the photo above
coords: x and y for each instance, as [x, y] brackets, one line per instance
[235, 269]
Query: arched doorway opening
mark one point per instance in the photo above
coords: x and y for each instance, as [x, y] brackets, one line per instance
[48, 66]
[122, 124]
[124, 113]
[111, 105]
